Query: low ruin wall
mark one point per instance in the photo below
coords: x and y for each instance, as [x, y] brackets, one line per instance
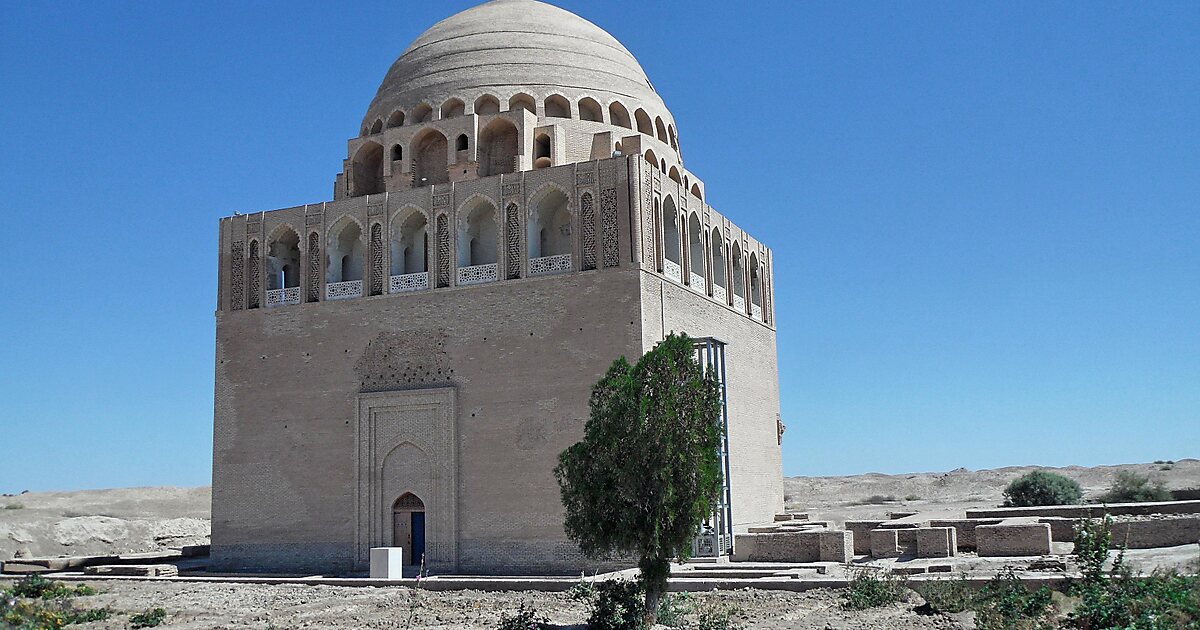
[1091, 511]
[1013, 539]
[936, 542]
[964, 529]
[818, 546]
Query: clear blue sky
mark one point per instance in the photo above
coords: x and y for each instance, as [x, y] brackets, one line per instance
[985, 216]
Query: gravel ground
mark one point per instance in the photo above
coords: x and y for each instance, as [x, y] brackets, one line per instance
[191, 605]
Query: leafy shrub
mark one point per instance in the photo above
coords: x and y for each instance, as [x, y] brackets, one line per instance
[946, 596]
[39, 612]
[673, 608]
[1118, 599]
[1131, 487]
[618, 605]
[1042, 488]
[34, 586]
[14, 506]
[1005, 603]
[717, 616]
[148, 619]
[525, 619]
[867, 589]
[876, 499]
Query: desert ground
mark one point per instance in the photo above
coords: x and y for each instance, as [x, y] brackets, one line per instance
[146, 519]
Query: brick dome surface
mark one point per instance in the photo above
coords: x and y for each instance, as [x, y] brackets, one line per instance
[509, 47]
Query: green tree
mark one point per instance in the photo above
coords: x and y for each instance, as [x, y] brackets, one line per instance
[1131, 487]
[647, 472]
[1042, 488]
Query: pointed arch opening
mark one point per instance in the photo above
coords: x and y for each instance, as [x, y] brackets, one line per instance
[283, 267]
[696, 271]
[719, 286]
[344, 260]
[674, 175]
[557, 106]
[756, 298]
[662, 130]
[396, 119]
[430, 159]
[652, 158]
[453, 108]
[644, 124]
[408, 528]
[397, 153]
[672, 257]
[377, 126]
[739, 279]
[590, 109]
[618, 115]
[477, 243]
[422, 113]
[542, 151]
[549, 233]
[367, 170]
[498, 148]
[522, 101]
[487, 104]
[696, 192]
[461, 143]
[410, 253]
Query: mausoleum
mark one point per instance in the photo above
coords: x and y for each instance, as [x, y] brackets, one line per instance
[402, 364]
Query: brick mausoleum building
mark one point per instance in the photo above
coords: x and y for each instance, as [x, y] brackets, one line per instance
[401, 366]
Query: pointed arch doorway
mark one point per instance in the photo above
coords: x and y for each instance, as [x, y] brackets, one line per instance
[408, 527]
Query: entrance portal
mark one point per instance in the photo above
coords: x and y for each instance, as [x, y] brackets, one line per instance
[408, 527]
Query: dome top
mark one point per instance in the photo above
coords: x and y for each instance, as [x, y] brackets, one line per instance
[508, 47]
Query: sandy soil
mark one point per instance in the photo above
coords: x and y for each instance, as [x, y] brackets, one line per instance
[103, 521]
[146, 519]
[949, 494]
[195, 606]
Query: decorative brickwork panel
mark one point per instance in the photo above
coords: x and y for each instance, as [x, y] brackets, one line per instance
[648, 253]
[512, 236]
[766, 295]
[376, 259]
[608, 230]
[511, 190]
[314, 267]
[443, 251]
[237, 276]
[584, 179]
[587, 215]
[255, 274]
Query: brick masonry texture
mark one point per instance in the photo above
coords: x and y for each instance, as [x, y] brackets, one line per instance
[885, 543]
[1024, 539]
[1092, 511]
[862, 535]
[521, 356]
[964, 529]
[936, 542]
[823, 546]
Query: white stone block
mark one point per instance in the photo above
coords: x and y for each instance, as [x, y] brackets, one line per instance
[387, 563]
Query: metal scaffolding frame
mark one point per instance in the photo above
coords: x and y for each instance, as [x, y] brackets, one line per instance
[718, 540]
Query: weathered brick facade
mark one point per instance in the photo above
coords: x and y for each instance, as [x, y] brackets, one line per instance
[433, 342]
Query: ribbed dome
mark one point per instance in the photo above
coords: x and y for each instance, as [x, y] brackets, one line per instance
[505, 47]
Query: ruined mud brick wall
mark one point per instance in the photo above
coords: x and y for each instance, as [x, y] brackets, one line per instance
[1091, 511]
[964, 529]
[825, 546]
[936, 542]
[1013, 539]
